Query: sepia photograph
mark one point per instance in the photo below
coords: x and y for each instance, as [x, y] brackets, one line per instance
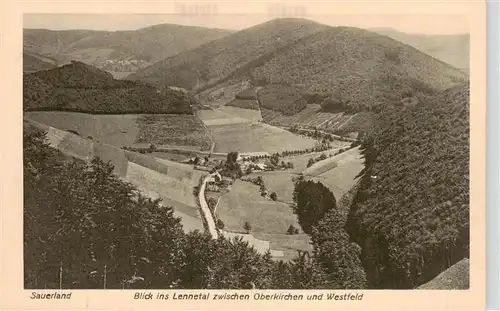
[263, 152]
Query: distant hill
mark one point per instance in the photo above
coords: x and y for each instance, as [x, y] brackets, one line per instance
[83, 88]
[32, 63]
[294, 59]
[451, 49]
[411, 212]
[230, 55]
[356, 69]
[96, 47]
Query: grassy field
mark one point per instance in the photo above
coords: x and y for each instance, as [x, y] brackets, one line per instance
[190, 219]
[248, 137]
[173, 187]
[300, 161]
[244, 203]
[214, 114]
[172, 156]
[338, 173]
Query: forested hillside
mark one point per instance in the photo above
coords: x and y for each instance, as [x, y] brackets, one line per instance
[237, 52]
[411, 212]
[83, 88]
[354, 69]
[357, 69]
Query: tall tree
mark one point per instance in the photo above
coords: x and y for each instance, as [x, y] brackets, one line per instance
[312, 201]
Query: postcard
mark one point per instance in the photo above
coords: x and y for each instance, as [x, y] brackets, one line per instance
[243, 155]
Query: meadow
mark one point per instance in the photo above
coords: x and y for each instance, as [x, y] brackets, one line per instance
[337, 173]
[253, 137]
[269, 219]
[228, 115]
[120, 74]
[300, 161]
[244, 203]
[278, 181]
[288, 244]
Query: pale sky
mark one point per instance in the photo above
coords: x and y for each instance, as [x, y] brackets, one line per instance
[212, 18]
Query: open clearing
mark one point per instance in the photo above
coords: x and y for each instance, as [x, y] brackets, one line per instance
[245, 103]
[300, 161]
[339, 172]
[228, 115]
[278, 181]
[250, 114]
[189, 219]
[244, 203]
[238, 129]
[256, 137]
[269, 220]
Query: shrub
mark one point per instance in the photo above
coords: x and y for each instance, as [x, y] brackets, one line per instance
[310, 162]
[220, 224]
[247, 227]
[292, 230]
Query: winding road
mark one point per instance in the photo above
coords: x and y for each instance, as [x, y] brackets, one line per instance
[204, 207]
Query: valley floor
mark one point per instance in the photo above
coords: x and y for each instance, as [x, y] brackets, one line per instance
[231, 129]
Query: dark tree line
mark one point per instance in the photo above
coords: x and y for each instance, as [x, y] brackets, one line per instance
[78, 87]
